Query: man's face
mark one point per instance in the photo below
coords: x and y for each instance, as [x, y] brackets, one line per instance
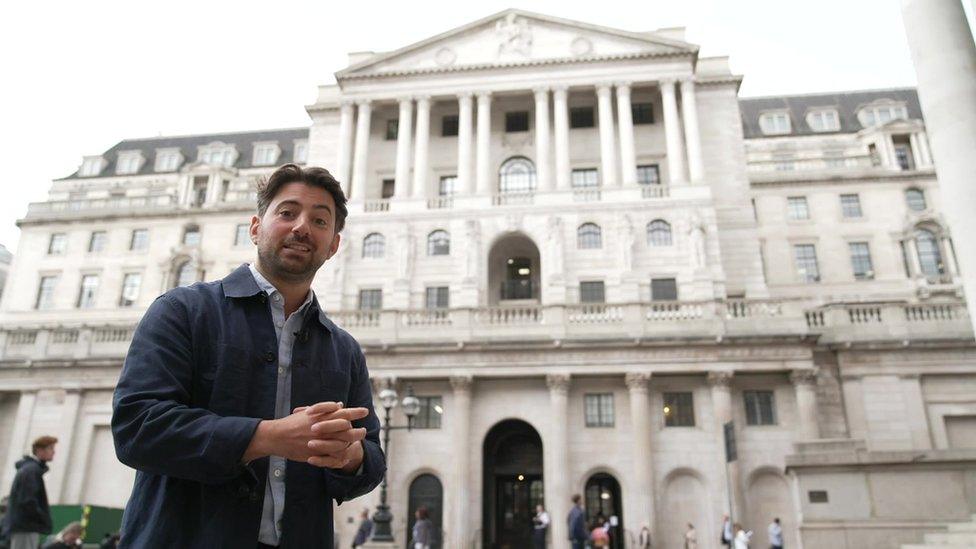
[45, 454]
[296, 234]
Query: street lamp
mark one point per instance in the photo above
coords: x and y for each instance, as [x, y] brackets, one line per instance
[411, 406]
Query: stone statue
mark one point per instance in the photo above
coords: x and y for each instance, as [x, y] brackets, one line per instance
[514, 35]
[696, 235]
[554, 243]
[406, 246]
[627, 240]
[472, 240]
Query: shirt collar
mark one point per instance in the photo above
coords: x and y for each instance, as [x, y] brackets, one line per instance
[268, 287]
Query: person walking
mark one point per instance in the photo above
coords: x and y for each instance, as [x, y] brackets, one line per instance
[598, 535]
[727, 532]
[577, 524]
[644, 538]
[422, 530]
[741, 540]
[364, 531]
[540, 524]
[68, 538]
[28, 513]
[775, 531]
[691, 537]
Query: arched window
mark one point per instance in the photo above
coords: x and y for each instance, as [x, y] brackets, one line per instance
[659, 233]
[517, 175]
[186, 273]
[374, 245]
[589, 236]
[915, 199]
[439, 243]
[427, 493]
[929, 254]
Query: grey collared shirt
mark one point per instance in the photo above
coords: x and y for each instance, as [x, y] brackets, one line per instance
[274, 492]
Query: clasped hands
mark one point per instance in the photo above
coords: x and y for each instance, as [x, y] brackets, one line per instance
[320, 435]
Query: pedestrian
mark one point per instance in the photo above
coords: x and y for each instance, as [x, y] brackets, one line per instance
[68, 538]
[577, 524]
[775, 534]
[239, 398]
[28, 513]
[540, 524]
[598, 534]
[741, 540]
[644, 538]
[691, 537]
[727, 533]
[422, 529]
[364, 531]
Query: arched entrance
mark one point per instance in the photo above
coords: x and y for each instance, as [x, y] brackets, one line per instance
[602, 503]
[769, 497]
[512, 484]
[513, 270]
[426, 491]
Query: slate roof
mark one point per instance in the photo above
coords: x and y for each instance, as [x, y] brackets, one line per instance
[846, 103]
[243, 141]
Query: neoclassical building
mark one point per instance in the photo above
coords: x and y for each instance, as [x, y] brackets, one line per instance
[585, 254]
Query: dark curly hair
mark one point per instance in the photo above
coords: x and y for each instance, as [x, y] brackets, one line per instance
[314, 176]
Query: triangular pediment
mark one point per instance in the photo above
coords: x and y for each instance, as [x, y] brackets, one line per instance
[515, 37]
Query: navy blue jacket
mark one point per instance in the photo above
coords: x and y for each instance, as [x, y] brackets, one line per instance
[199, 376]
[27, 509]
[577, 524]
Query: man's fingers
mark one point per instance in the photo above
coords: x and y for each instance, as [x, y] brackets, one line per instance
[349, 435]
[299, 409]
[322, 408]
[328, 461]
[331, 426]
[351, 414]
[331, 447]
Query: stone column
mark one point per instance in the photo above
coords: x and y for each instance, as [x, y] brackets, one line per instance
[805, 385]
[460, 531]
[464, 169]
[57, 479]
[360, 156]
[721, 383]
[942, 48]
[642, 483]
[345, 145]
[676, 161]
[542, 139]
[560, 115]
[608, 161]
[949, 257]
[420, 147]
[625, 122]
[483, 184]
[889, 147]
[689, 110]
[556, 477]
[19, 439]
[916, 153]
[401, 183]
[923, 146]
[914, 265]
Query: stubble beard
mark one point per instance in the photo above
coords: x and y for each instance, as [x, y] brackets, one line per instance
[279, 269]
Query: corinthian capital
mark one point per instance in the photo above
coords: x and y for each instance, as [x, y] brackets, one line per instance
[720, 378]
[805, 376]
[637, 381]
[461, 383]
[558, 383]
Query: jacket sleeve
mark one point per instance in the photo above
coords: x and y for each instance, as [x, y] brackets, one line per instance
[154, 427]
[342, 486]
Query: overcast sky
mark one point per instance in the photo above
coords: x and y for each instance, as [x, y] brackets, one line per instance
[81, 76]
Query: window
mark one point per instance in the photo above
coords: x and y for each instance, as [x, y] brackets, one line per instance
[589, 237]
[374, 245]
[874, 154]
[903, 156]
[929, 254]
[91, 166]
[861, 260]
[878, 115]
[648, 175]
[97, 241]
[581, 117]
[429, 416]
[242, 235]
[58, 244]
[130, 289]
[642, 113]
[449, 125]
[439, 243]
[760, 407]
[915, 199]
[664, 289]
[139, 240]
[679, 410]
[128, 162]
[389, 187]
[392, 128]
[86, 294]
[168, 160]
[218, 156]
[592, 291]
[45, 292]
[370, 300]
[585, 178]
[774, 123]
[187, 273]
[191, 236]
[517, 121]
[823, 120]
[598, 409]
[659, 233]
[437, 297]
[850, 205]
[300, 155]
[784, 161]
[447, 186]
[265, 154]
[517, 176]
[796, 207]
[806, 262]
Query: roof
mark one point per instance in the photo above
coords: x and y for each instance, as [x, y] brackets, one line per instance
[846, 103]
[188, 144]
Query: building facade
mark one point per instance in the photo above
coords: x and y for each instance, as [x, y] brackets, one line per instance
[585, 254]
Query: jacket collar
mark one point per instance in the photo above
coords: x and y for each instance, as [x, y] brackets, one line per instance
[241, 283]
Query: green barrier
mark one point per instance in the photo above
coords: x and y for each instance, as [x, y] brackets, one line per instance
[96, 521]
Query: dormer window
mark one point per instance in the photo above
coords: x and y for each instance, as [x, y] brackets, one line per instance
[218, 155]
[128, 162]
[823, 120]
[301, 151]
[168, 160]
[265, 154]
[91, 166]
[877, 115]
[775, 122]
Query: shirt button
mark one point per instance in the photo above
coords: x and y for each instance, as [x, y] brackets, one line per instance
[281, 369]
[269, 356]
[277, 297]
[279, 324]
[277, 473]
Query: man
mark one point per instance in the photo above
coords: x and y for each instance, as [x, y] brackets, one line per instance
[68, 538]
[28, 514]
[775, 534]
[245, 410]
[577, 523]
[540, 524]
[365, 530]
[727, 531]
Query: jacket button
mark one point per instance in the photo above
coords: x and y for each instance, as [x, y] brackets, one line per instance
[269, 356]
[263, 297]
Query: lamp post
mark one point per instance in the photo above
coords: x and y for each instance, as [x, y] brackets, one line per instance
[411, 406]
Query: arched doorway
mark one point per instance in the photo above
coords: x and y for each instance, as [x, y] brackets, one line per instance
[516, 176]
[684, 502]
[513, 270]
[426, 491]
[512, 484]
[602, 504]
[769, 497]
